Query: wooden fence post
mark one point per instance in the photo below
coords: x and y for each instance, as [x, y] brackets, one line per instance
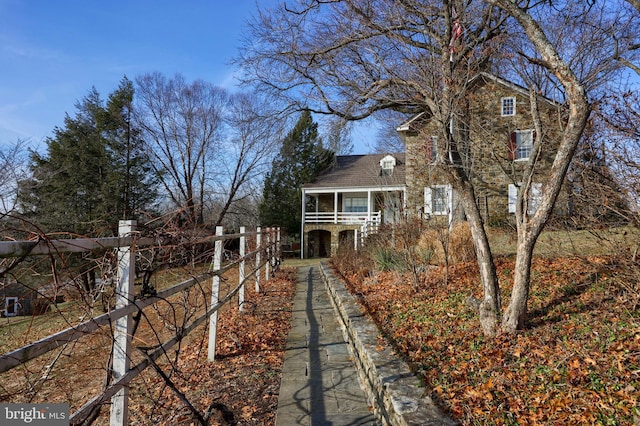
[355, 239]
[241, 272]
[123, 326]
[258, 249]
[215, 293]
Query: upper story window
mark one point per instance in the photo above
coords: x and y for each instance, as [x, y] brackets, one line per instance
[355, 204]
[434, 149]
[521, 144]
[508, 106]
[387, 164]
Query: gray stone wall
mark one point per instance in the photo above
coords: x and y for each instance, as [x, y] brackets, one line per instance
[397, 396]
[489, 136]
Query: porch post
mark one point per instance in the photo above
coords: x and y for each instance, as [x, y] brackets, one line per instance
[369, 205]
[304, 208]
[335, 207]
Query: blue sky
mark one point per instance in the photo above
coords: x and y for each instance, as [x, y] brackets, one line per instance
[53, 52]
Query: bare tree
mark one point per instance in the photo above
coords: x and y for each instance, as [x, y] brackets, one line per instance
[12, 170]
[254, 129]
[353, 58]
[182, 125]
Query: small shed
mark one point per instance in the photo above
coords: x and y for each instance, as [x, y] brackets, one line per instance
[17, 299]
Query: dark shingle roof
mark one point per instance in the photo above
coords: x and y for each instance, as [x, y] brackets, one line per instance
[360, 171]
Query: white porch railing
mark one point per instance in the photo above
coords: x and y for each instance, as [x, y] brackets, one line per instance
[343, 218]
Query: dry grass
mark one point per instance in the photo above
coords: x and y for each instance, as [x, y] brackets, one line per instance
[554, 243]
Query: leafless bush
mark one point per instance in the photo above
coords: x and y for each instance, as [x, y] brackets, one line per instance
[461, 248]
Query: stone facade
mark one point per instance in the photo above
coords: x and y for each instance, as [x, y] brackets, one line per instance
[491, 151]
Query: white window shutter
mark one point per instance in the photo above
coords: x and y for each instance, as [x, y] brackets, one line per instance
[535, 193]
[428, 204]
[513, 197]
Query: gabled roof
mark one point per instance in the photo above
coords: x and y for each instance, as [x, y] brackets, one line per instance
[360, 171]
[513, 86]
[417, 119]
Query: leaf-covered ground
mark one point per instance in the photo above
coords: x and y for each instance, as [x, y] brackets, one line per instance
[241, 387]
[578, 362]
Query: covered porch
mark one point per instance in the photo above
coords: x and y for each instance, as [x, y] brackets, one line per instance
[352, 212]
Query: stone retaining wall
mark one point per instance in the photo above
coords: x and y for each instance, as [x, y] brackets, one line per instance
[393, 390]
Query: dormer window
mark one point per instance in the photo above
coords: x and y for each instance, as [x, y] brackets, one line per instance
[508, 106]
[387, 164]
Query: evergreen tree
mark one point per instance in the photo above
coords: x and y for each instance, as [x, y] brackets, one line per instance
[84, 181]
[133, 178]
[302, 157]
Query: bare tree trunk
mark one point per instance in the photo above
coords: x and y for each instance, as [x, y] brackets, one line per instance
[489, 309]
[515, 315]
[579, 110]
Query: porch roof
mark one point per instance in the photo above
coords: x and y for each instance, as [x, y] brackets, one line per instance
[360, 171]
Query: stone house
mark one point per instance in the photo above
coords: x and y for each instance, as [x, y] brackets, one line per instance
[360, 192]
[500, 132]
[354, 196]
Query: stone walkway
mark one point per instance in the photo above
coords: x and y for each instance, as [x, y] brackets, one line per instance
[319, 385]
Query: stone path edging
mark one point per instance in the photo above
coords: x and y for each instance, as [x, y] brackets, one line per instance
[393, 390]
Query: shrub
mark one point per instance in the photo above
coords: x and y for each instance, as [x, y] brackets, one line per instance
[461, 248]
[457, 241]
[389, 259]
[430, 241]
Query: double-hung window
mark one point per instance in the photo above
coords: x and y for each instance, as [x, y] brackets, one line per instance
[523, 144]
[438, 200]
[508, 106]
[355, 204]
[535, 192]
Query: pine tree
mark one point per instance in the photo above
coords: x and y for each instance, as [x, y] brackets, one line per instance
[302, 157]
[84, 182]
[133, 179]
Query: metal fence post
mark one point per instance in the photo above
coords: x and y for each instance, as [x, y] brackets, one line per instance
[123, 326]
[241, 272]
[258, 250]
[215, 293]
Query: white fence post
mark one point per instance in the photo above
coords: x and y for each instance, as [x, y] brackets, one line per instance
[278, 244]
[258, 250]
[267, 256]
[241, 272]
[215, 293]
[123, 326]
